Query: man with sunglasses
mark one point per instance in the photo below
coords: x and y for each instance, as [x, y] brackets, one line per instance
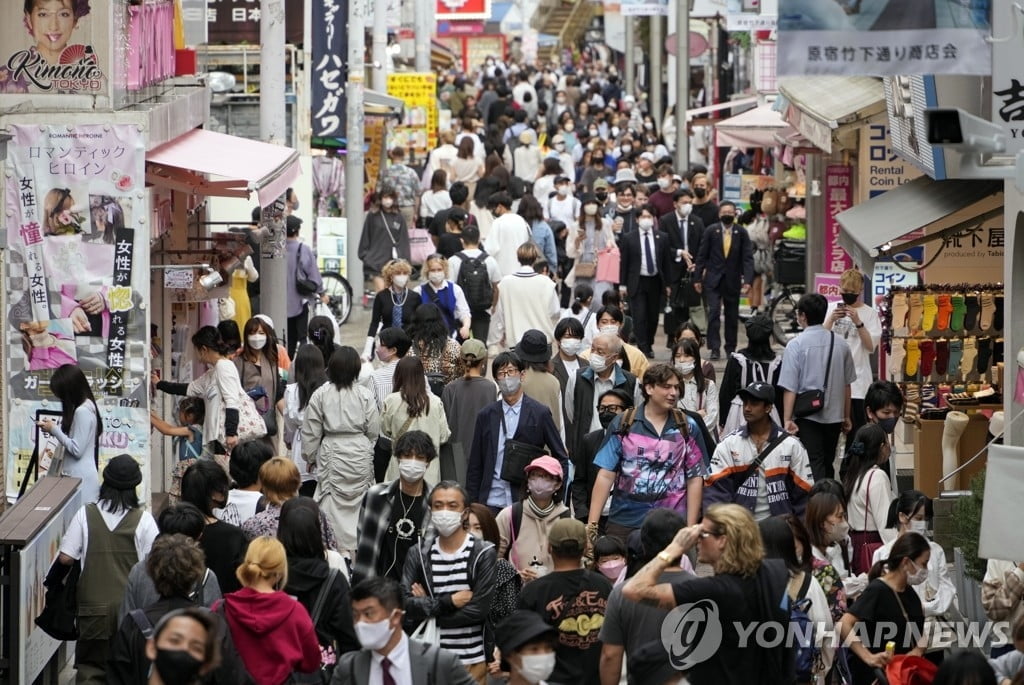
[610, 405]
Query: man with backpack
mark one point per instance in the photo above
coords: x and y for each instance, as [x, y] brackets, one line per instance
[477, 273]
[760, 467]
[649, 460]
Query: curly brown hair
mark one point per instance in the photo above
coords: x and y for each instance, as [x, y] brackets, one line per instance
[175, 564]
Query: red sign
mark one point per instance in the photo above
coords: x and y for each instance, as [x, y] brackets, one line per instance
[838, 198]
[460, 28]
[463, 9]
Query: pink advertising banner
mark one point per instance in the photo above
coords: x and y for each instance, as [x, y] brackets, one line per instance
[827, 285]
[77, 273]
[838, 198]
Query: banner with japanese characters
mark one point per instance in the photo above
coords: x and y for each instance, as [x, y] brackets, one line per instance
[838, 198]
[77, 278]
[1008, 76]
[330, 47]
[644, 8]
[418, 130]
[54, 47]
[884, 37]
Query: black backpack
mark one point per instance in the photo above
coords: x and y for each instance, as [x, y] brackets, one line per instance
[475, 282]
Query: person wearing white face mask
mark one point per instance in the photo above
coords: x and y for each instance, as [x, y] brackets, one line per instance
[449, 578]
[907, 514]
[446, 295]
[868, 495]
[889, 600]
[527, 645]
[524, 526]
[610, 319]
[593, 235]
[385, 237]
[388, 654]
[259, 373]
[395, 514]
[685, 231]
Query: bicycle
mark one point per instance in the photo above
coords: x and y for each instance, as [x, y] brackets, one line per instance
[339, 294]
[782, 312]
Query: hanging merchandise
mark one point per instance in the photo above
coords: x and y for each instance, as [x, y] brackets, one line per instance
[1018, 394]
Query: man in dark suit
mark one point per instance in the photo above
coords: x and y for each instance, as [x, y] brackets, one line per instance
[525, 419]
[685, 231]
[389, 655]
[643, 277]
[725, 269]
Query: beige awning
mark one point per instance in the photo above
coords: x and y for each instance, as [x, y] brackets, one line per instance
[827, 110]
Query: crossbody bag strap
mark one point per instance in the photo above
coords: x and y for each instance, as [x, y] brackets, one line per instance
[321, 597]
[759, 459]
[867, 504]
[828, 365]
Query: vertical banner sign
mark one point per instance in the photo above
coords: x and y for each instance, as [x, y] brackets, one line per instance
[838, 198]
[418, 130]
[644, 8]
[884, 37]
[1008, 76]
[330, 42]
[77, 274]
[879, 167]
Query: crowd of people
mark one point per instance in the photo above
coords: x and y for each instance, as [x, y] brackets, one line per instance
[504, 485]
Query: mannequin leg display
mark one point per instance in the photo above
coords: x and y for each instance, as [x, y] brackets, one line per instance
[996, 426]
[956, 424]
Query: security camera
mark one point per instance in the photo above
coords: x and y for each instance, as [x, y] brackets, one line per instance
[959, 130]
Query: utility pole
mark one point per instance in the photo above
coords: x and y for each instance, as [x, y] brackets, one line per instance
[424, 33]
[657, 47]
[629, 83]
[273, 129]
[380, 46]
[354, 142]
[682, 85]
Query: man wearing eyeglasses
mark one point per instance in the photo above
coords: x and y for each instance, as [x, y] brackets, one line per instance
[760, 467]
[610, 405]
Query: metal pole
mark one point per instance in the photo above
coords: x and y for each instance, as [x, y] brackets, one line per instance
[629, 83]
[654, 80]
[354, 142]
[380, 46]
[273, 129]
[682, 84]
[424, 32]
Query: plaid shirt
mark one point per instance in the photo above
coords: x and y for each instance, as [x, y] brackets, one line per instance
[405, 182]
[374, 518]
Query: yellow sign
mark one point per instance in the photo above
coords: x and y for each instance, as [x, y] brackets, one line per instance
[418, 130]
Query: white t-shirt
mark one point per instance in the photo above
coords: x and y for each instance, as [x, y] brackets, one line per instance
[75, 543]
[241, 506]
[861, 356]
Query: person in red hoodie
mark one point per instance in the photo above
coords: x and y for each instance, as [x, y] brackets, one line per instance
[272, 631]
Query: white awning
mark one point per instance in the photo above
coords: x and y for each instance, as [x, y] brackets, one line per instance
[825, 108]
[757, 127]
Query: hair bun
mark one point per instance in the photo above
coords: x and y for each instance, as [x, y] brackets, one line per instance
[858, 448]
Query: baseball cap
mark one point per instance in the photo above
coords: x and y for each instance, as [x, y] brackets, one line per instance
[567, 533]
[474, 349]
[522, 627]
[546, 464]
[758, 391]
[292, 224]
[599, 184]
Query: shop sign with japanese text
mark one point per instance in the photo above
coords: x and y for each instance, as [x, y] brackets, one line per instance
[838, 198]
[330, 45]
[883, 37]
[1008, 76]
[77, 273]
[462, 9]
[418, 130]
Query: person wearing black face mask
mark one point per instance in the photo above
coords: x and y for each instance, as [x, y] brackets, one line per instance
[859, 325]
[183, 647]
[883, 404]
[609, 405]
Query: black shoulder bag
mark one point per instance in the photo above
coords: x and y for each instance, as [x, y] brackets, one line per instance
[518, 456]
[812, 401]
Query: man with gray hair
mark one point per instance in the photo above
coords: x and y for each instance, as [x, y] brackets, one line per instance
[602, 375]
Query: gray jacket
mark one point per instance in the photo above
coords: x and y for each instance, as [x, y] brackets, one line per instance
[430, 665]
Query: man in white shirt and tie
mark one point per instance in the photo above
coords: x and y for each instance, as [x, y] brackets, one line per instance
[388, 656]
[643, 276]
[684, 230]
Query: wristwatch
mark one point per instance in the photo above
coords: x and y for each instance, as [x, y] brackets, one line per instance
[666, 557]
[860, 325]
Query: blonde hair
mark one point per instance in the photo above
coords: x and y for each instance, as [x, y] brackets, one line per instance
[852, 280]
[393, 267]
[447, 137]
[279, 479]
[56, 201]
[528, 253]
[264, 559]
[744, 550]
[438, 259]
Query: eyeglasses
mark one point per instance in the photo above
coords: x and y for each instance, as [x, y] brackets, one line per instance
[705, 534]
[610, 407]
[506, 374]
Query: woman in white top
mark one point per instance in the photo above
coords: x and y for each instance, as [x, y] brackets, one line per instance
[446, 296]
[785, 538]
[308, 374]
[79, 429]
[467, 167]
[868, 493]
[582, 297]
[696, 392]
[437, 198]
[907, 513]
[593, 234]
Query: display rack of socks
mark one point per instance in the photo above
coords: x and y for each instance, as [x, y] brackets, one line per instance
[944, 344]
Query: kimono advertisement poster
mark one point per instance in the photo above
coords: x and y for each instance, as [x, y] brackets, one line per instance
[884, 37]
[54, 46]
[76, 274]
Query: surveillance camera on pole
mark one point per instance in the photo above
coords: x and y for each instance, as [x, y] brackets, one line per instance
[981, 144]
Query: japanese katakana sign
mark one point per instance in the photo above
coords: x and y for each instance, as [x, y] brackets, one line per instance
[883, 38]
[76, 273]
[418, 130]
[330, 46]
[1008, 77]
[838, 198]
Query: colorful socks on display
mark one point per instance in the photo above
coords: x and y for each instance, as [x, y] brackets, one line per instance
[929, 312]
[988, 311]
[899, 313]
[997, 351]
[956, 353]
[984, 354]
[997, 317]
[927, 349]
[941, 356]
[969, 357]
[913, 357]
[897, 357]
[914, 312]
[912, 407]
[956, 320]
[971, 316]
[945, 312]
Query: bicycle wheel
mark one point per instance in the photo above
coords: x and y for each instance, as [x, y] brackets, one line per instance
[782, 312]
[340, 292]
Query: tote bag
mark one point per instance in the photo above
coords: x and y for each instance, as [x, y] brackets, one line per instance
[420, 246]
[250, 424]
[608, 265]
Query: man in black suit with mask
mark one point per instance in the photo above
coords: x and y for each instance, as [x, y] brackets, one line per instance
[725, 270]
[685, 231]
[643, 276]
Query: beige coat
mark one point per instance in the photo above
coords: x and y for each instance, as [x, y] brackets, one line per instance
[434, 423]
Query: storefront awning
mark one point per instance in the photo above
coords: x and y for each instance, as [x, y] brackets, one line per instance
[873, 224]
[826, 108]
[758, 127]
[375, 102]
[243, 166]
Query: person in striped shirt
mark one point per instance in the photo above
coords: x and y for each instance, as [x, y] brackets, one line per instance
[449, 579]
